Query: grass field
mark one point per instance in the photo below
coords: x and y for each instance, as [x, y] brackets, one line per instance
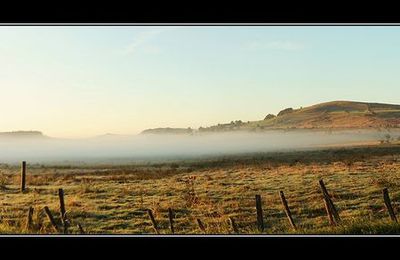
[110, 199]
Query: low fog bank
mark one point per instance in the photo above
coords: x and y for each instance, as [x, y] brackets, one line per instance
[149, 147]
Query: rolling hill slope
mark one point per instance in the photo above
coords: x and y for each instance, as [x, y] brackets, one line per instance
[331, 115]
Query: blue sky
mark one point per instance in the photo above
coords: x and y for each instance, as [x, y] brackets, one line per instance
[84, 81]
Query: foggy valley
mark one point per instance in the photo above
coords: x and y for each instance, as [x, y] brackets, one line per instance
[155, 146]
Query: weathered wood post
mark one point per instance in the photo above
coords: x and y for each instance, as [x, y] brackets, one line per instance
[81, 231]
[63, 215]
[153, 221]
[333, 214]
[260, 219]
[50, 217]
[388, 204]
[29, 220]
[329, 213]
[23, 176]
[233, 225]
[171, 220]
[287, 209]
[201, 226]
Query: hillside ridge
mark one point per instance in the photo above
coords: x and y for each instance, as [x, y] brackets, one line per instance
[339, 114]
[328, 115]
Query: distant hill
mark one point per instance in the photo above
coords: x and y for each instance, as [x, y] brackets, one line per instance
[329, 115]
[24, 134]
[168, 130]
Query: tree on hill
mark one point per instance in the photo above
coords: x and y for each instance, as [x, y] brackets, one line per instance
[285, 111]
[269, 116]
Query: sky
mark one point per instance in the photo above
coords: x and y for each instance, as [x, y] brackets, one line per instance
[81, 81]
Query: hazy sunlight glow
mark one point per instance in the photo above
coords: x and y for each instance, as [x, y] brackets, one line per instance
[86, 81]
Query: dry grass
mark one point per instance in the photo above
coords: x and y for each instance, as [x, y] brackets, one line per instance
[114, 199]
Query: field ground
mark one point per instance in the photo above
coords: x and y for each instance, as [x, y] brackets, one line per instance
[110, 199]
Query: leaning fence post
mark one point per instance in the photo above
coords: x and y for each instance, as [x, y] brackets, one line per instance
[171, 220]
[260, 219]
[201, 226]
[329, 212]
[29, 218]
[23, 176]
[50, 217]
[330, 207]
[81, 231]
[388, 204]
[62, 209]
[287, 210]
[153, 221]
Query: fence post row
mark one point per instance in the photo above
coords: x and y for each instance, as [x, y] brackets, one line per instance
[330, 208]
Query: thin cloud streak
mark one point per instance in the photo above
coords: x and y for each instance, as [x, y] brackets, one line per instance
[275, 45]
[142, 41]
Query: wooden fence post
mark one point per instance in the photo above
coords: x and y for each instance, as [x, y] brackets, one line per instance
[171, 220]
[330, 207]
[287, 210]
[153, 221]
[388, 204]
[81, 231]
[233, 225]
[29, 218]
[260, 219]
[50, 217]
[201, 226]
[23, 176]
[329, 213]
[62, 210]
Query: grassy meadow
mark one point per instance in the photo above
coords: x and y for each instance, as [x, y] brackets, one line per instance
[114, 199]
